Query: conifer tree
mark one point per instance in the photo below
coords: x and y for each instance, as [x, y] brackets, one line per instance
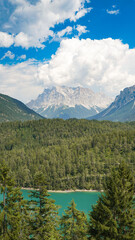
[113, 216]
[74, 224]
[5, 182]
[17, 215]
[44, 213]
[13, 224]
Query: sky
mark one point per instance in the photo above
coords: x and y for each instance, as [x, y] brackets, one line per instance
[45, 43]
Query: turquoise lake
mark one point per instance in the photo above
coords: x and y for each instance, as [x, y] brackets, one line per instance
[83, 200]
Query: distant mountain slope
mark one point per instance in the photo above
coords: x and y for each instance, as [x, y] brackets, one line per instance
[122, 109]
[66, 112]
[13, 110]
[66, 102]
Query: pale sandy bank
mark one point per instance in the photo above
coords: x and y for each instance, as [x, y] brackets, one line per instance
[66, 191]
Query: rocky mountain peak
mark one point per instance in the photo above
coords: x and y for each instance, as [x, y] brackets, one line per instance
[122, 109]
[58, 96]
[125, 96]
[69, 102]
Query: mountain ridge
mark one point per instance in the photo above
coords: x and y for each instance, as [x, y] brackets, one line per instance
[83, 101]
[12, 109]
[122, 109]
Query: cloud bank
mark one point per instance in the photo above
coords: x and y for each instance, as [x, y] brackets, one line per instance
[105, 65]
[32, 24]
[21, 80]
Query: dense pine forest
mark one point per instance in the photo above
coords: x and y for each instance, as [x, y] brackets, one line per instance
[72, 154]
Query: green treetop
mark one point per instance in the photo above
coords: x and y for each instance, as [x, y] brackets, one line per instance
[44, 213]
[113, 216]
[74, 224]
[13, 224]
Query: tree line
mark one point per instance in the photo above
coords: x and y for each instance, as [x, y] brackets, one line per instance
[72, 154]
[113, 217]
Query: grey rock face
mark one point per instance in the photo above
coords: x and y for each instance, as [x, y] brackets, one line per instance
[122, 109]
[68, 96]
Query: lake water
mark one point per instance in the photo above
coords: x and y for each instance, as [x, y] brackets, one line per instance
[83, 200]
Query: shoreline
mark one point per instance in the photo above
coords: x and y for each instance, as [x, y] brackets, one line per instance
[65, 191]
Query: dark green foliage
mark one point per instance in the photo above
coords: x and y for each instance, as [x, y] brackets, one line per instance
[71, 154]
[20, 220]
[74, 224]
[44, 213]
[13, 110]
[13, 213]
[114, 215]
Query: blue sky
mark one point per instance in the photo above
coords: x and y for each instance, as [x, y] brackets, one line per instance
[60, 42]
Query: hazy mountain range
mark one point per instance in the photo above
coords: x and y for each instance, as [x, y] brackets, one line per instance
[67, 102]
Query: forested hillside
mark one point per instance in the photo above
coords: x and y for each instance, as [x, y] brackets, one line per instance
[71, 154]
[13, 110]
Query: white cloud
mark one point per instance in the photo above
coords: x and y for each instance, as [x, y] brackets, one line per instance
[22, 40]
[6, 40]
[67, 30]
[22, 57]
[8, 54]
[20, 81]
[81, 13]
[113, 12]
[27, 41]
[31, 23]
[81, 29]
[105, 65]
[58, 36]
